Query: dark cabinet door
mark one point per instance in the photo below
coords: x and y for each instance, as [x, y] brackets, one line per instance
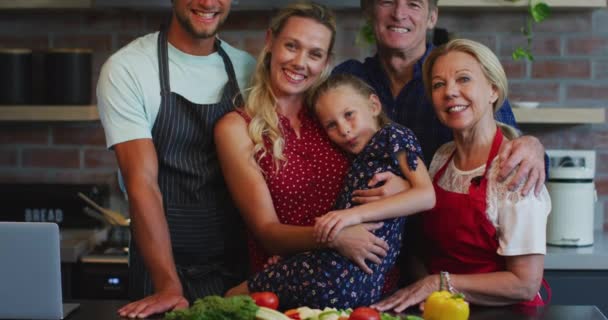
[579, 287]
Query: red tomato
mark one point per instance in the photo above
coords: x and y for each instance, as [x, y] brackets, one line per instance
[364, 313]
[266, 299]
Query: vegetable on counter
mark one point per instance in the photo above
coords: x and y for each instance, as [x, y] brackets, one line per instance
[218, 308]
[443, 305]
[266, 299]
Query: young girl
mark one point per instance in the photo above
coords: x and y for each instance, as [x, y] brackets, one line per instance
[351, 114]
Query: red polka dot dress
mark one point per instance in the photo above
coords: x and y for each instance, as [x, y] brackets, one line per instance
[307, 184]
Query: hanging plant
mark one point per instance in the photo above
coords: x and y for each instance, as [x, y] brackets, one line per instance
[538, 11]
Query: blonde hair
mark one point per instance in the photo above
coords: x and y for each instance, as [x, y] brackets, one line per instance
[490, 66]
[260, 104]
[343, 79]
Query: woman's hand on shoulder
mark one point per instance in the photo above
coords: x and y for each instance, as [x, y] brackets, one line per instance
[410, 295]
[358, 244]
[392, 185]
[329, 225]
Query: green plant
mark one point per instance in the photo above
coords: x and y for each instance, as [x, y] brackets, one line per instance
[538, 11]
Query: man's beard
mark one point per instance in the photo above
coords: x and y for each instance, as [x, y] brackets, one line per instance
[187, 25]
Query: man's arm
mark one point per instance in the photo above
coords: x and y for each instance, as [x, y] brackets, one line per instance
[525, 152]
[139, 166]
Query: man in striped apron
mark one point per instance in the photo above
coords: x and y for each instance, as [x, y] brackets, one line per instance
[187, 237]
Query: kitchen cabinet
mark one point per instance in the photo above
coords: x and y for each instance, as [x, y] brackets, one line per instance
[560, 115]
[89, 113]
[49, 113]
[579, 287]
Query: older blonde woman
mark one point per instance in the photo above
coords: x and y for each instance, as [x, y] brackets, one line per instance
[481, 238]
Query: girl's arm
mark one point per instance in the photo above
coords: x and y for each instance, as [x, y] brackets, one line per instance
[520, 282]
[252, 196]
[420, 197]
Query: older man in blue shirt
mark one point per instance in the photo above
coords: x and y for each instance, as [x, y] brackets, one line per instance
[395, 72]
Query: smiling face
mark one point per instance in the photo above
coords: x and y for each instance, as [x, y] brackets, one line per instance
[349, 118]
[462, 95]
[202, 18]
[298, 55]
[402, 24]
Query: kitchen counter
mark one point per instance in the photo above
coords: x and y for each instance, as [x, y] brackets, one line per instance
[106, 310]
[594, 257]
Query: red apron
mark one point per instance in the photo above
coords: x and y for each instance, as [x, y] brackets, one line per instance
[460, 237]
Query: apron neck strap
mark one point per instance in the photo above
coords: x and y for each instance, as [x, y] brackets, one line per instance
[163, 62]
[498, 137]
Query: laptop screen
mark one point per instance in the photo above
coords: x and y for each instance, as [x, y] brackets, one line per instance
[30, 271]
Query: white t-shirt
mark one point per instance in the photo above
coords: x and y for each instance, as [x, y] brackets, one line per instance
[520, 221]
[128, 90]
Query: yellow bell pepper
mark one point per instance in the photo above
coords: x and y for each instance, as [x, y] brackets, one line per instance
[443, 305]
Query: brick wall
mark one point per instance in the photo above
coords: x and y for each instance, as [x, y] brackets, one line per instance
[570, 70]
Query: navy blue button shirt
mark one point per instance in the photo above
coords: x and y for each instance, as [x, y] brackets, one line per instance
[411, 108]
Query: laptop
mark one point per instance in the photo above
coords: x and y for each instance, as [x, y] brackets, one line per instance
[30, 272]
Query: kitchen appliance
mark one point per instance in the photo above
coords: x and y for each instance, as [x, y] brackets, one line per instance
[15, 76]
[573, 196]
[68, 76]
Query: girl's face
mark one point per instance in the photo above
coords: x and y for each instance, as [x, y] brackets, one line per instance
[462, 95]
[349, 118]
[299, 54]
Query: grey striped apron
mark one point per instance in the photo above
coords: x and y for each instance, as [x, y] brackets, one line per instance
[208, 245]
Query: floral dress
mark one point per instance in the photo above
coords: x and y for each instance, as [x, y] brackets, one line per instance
[324, 278]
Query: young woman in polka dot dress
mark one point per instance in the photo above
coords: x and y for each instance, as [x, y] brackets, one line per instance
[352, 116]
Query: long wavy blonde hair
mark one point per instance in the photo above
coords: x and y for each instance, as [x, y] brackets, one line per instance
[260, 103]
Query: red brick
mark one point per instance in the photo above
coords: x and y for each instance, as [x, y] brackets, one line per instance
[541, 45]
[31, 42]
[8, 157]
[600, 24]
[601, 163]
[83, 176]
[50, 158]
[92, 134]
[549, 136]
[254, 43]
[587, 46]
[587, 91]
[24, 134]
[153, 20]
[484, 21]
[551, 69]
[488, 40]
[101, 158]
[600, 70]
[95, 42]
[111, 21]
[596, 139]
[23, 176]
[514, 69]
[245, 20]
[602, 186]
[32, 22]
[542, 92]
[565, 21]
